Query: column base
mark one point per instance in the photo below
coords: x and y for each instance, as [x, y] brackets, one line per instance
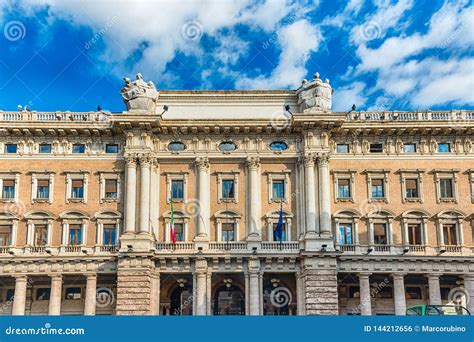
[142, 242]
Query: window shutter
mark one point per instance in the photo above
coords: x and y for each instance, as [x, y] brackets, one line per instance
[110, 185]
[379, 229]
[77, 183]
[343, 182]
[5, 229]
[377, 182]
[411, 184]
[109, 226]
[43, 182]
[8, 183]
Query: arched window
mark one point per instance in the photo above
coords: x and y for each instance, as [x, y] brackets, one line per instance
[271, 220]
[39, 232]
[380, 229]
[8, 229]
[180, 220]
[450, 229]
[415, 228]
[108, 228]
[74, 229]
[227, 226]
[346, 229]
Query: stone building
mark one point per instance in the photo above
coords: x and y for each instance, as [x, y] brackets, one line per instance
[377, 208]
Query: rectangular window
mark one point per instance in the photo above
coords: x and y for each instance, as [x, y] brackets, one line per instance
[41, 235]
[409, 148]
[414, 234]
[11, 148]
[342, 148]
[449, 232]
[43, 293]
[283, 232]
[45, 148]
[111, 188]
[109, 234]
[177, 189]
[10, 295]
[411, 188]
[5, 235]
[73, 293]
[446, 188]
[380, 234]
[8, 189]
[376, 148]
[75, 234]
[343, 188]
[412, 292]
[345, 231]
[377, 188]
[278, 187]
[228, 191]
[385, 292]
[444, 147]
[77, 188]
[43, 189]
[179, 231]
[111, 148]
[78, 148]
[228, 232]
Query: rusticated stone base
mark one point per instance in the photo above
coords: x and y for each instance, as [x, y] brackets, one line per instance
[320, 283]
[135, 287]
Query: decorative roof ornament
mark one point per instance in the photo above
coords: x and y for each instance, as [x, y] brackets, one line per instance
[139, 95]
[315, 95]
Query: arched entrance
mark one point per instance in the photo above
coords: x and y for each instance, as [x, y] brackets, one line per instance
[279, 298]
[229, 300]
[176, 295]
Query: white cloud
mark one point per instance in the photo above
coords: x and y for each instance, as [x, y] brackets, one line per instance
[345, 97]
[159, 24]
[296, 42]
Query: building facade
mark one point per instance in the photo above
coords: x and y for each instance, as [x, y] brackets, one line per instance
[376, 209]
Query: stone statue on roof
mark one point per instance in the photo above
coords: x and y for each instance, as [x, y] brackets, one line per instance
[315, 95]
[139, 95]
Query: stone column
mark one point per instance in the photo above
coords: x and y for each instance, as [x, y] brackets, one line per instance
[311, 218]
[203, 218]
[19, 299]
[325, 186]
[91, 295]
[201, 287]
[145, 164]
[254, 287]
[254, 224]
[399, 294]
[365, 300]
[469, 288]
[55, 296]
[131, 184]
[434, 289]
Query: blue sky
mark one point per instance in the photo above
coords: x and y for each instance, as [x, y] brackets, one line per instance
[380, 55]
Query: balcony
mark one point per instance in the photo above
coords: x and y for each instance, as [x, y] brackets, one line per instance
[281, 246]
[35, 116]
[238, 247]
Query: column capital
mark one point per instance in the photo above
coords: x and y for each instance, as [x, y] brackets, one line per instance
[91, 276]
[130, 159]
[323, 158]
[433, 275]
[145, 160]
[309, 159]
[56, 277]
[202, 163]
[253, 163]
[20, 277]
[364, 274]
[398, 275]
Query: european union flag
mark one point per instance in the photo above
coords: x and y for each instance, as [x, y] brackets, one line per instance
[279, 227]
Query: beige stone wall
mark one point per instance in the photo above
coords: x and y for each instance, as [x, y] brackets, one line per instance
[59, 205]
[395, 192]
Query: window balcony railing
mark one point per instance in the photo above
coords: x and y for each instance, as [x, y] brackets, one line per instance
[4, 250]
[181, 246]
[228, 246]
[36, 249]
[108, 248]
[35, 116]
[416, 248]
[281, 246]
[453, 248]
[72, 249]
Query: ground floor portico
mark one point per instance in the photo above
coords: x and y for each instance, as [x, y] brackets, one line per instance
[244, 285]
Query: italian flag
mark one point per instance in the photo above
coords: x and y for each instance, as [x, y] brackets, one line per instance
[173, 238]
